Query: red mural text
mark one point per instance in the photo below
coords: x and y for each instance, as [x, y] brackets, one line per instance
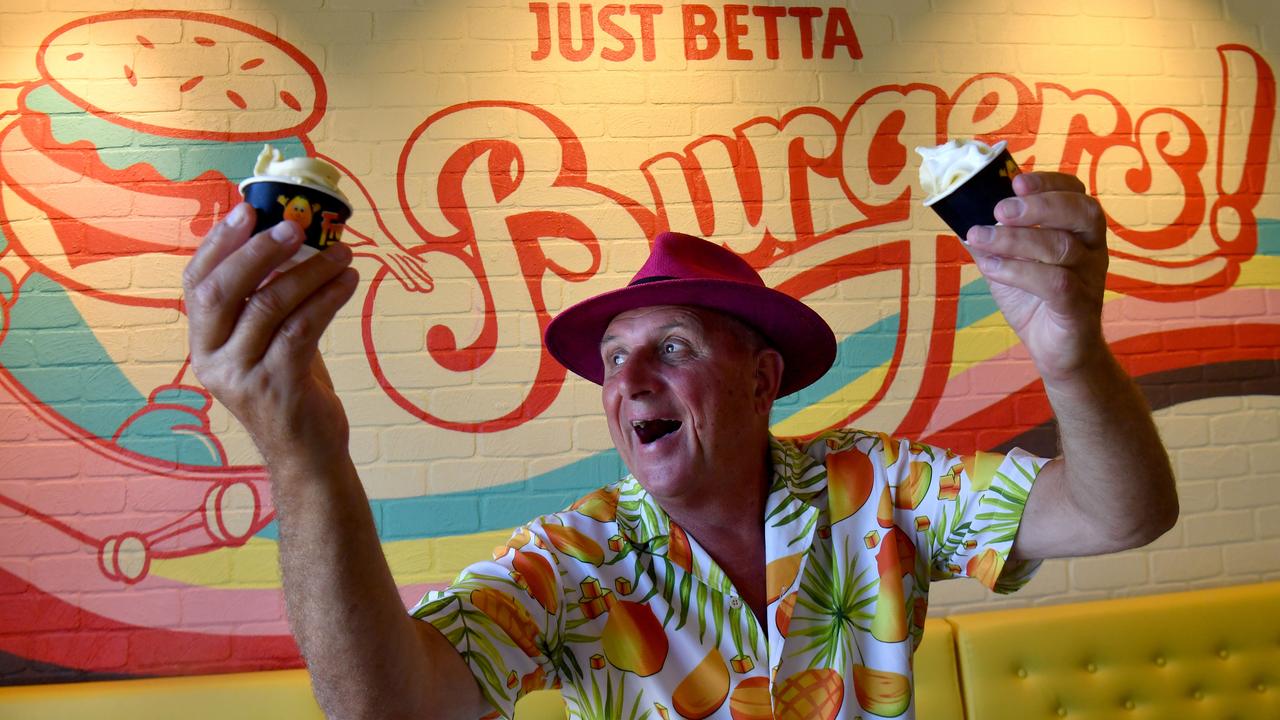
[581, 45]
[838, 175]
[733, 32]
[702, 39]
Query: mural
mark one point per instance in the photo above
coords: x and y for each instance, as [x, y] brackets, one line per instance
[136, 532]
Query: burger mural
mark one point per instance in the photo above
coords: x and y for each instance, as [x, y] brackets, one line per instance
[112, 169]
[136, 531]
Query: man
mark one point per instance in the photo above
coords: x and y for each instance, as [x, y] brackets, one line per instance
[732, 571]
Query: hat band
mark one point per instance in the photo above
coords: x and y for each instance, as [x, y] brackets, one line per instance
[654, 278]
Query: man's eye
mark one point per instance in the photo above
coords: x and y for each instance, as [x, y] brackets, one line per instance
[671, 346]
[616, 359]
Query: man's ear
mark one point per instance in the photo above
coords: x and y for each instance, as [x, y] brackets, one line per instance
[769, 365]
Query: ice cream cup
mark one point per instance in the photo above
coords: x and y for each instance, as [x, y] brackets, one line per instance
[972, 200]
[320, 212]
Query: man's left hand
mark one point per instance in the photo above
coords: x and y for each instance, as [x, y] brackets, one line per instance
[1046, 263]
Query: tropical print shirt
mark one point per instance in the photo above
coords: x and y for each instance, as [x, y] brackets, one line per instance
[620, 609]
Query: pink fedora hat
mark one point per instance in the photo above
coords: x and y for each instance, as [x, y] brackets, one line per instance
[686, 270]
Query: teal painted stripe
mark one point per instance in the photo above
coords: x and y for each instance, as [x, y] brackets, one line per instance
[510, 505]
[856, 355]
[120, 148]
[50, 350]
[496, 508]
[1269, 237]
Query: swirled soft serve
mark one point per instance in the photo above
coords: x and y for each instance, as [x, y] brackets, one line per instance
[946, 166]
[300, 170]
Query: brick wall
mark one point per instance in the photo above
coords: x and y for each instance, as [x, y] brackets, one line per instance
[133, 514]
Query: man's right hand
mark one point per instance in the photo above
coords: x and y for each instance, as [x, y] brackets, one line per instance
[254, 341]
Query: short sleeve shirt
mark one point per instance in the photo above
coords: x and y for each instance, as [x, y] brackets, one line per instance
[615, 605]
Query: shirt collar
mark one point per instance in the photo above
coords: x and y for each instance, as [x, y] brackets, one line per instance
[791, 511]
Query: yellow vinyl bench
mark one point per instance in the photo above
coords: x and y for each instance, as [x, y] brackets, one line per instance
[1202, 654]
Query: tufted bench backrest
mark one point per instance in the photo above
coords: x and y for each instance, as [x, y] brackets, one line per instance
[1202, 654]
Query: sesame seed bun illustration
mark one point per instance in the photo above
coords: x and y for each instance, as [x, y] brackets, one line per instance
[131, 144]
[184, 74]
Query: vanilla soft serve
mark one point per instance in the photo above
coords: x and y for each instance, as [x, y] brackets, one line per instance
[948, 165]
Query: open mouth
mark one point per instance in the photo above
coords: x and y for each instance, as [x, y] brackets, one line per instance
[650, 430]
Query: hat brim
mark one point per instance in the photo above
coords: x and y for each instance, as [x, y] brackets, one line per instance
[800, 335]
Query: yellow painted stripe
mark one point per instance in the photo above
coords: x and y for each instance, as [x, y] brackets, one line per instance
[986, 338]
[254, 565]
[835, 407]
[1262, 271]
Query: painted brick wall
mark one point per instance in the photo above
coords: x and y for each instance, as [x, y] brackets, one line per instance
[134, 519]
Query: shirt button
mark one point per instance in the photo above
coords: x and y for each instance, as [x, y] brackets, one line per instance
[735, 602]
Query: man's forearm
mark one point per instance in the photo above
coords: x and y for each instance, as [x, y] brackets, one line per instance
[1115, 468]
[364, 653]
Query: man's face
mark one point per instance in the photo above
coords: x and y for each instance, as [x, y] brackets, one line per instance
[682, 395]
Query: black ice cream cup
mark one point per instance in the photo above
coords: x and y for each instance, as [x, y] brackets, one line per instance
[973, 201]
[320, 213]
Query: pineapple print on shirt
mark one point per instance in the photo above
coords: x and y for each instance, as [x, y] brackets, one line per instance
[621, 610]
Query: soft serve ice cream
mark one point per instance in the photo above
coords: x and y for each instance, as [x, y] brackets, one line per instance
[946, 166]
[299, 170]
[964, 179]
[302, 189]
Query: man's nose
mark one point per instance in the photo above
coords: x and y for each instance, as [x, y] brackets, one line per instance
[639, 374]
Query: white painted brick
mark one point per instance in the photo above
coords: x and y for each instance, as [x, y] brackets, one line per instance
[1123, 62]
[1187, 10]
[540, 437]
[1108, 571]
[1176, 92]
[89, 5]
[406, 444]
[158, 344]
[1112, 9]
[1249, 492]
[363, 445]
[1267, 520]
[593, 434]
[962, 59]
[648, 121]
[521, 26]
[423, 26]
[385, 57]
[1186, 564]
[793, 87]
[1197, 497]
[387, 480]
[1158, 33]
[1046, 7]
[1197, 63]
[615, 88]
[938, 27]
[347, 25]
[699, 89]
[1264, 459]
[474, 473]
[1210, 462]
[905, 58]
[1183, 431]
[1219, 528]
[1252, 557]
[467, 56]
[1211, 33]
[1246, 427]
[541, 89]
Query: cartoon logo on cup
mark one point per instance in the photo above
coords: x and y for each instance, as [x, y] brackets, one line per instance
[304, 190]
